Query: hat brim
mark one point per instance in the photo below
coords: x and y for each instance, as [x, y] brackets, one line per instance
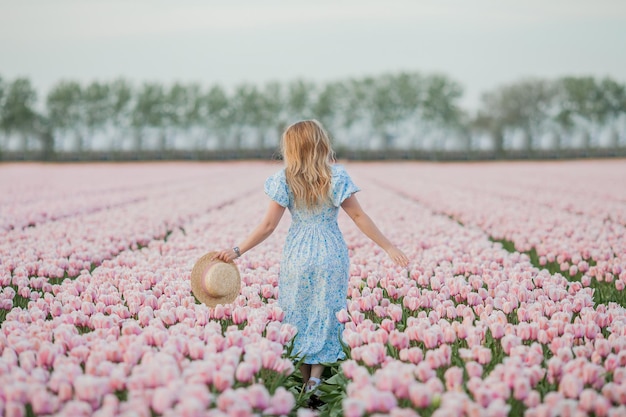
[197, 284]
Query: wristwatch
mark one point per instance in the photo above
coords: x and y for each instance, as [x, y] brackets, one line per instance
[236, 250]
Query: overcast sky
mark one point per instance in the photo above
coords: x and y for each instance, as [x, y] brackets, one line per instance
[480, 43]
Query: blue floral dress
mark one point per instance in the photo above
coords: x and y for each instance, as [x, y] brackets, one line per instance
[314, 269]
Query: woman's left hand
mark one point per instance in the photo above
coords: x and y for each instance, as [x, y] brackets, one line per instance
[227, 255]
[398, 257]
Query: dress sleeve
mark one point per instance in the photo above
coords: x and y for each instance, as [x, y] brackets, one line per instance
[343, 187]
[276, 188]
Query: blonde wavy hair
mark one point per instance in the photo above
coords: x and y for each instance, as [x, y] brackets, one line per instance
[308, 156]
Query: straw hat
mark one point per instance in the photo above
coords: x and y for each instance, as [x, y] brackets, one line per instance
[214, 281]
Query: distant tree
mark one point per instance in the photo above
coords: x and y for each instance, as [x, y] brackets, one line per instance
[121, 97]
[194, 114]
[97, 108]
[177, 102]
[219, 114]
[564, 126]
[613, 105]
[271, 116]
[325, 106]
[485, 122]
[466, 130]
[439, 108]
[18, 113]
[246, 101]
[3, 144]
[65, 111]
[44, 131]
[523, 105]
[299, 100]
[409, 91]
[149, 111]
[580, 105]
[394, 99]
[353, 101]
[383, 108]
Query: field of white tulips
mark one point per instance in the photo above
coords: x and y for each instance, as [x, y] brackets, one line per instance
[513, 303]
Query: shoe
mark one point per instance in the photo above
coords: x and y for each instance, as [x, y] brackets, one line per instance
[312, 385]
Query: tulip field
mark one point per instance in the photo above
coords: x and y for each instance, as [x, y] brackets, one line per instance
[513, 303]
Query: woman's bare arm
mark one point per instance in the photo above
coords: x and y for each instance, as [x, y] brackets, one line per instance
[265, 228]
[352, 207]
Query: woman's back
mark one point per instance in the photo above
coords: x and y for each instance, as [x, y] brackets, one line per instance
[341, 187]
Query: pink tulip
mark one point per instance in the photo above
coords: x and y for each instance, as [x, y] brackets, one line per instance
[282, 402]
[602, 406]
[424, 372]
[269, 359]
[474, 369]
[275, 313]
[227, 399]
[454, 378]
[287, 333]
[374, 354]
[431, 339]
[498, 408]
[571, 386]
[43, 402]
[353, 340]
[380, 401]
[483, 356]
[343, 316]
[245, 372]
[12, 408]
[240, 409]
[587, 400]
[395, 312]
[163, 399]
[449, 335]
[349, 367]
[361, 378]
[420, 395]
[521, 388]
[379, 336]
[224, 378]
[508, 342]
[90, 389]
[533, 399]
[258, 397]
[602, 347]
[353, 407]
[398, 339]
[272, 332]
[387, 325]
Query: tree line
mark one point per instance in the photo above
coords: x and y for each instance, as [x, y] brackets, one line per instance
[389, 112]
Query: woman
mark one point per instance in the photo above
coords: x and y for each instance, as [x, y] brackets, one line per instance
[314, 269]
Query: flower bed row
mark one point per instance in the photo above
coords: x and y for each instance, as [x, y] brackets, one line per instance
[585, 247]
[35, 194]
[36, 258]
[128, 338]
[475, 330]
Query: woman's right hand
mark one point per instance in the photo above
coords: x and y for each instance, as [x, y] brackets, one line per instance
[226, 255]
